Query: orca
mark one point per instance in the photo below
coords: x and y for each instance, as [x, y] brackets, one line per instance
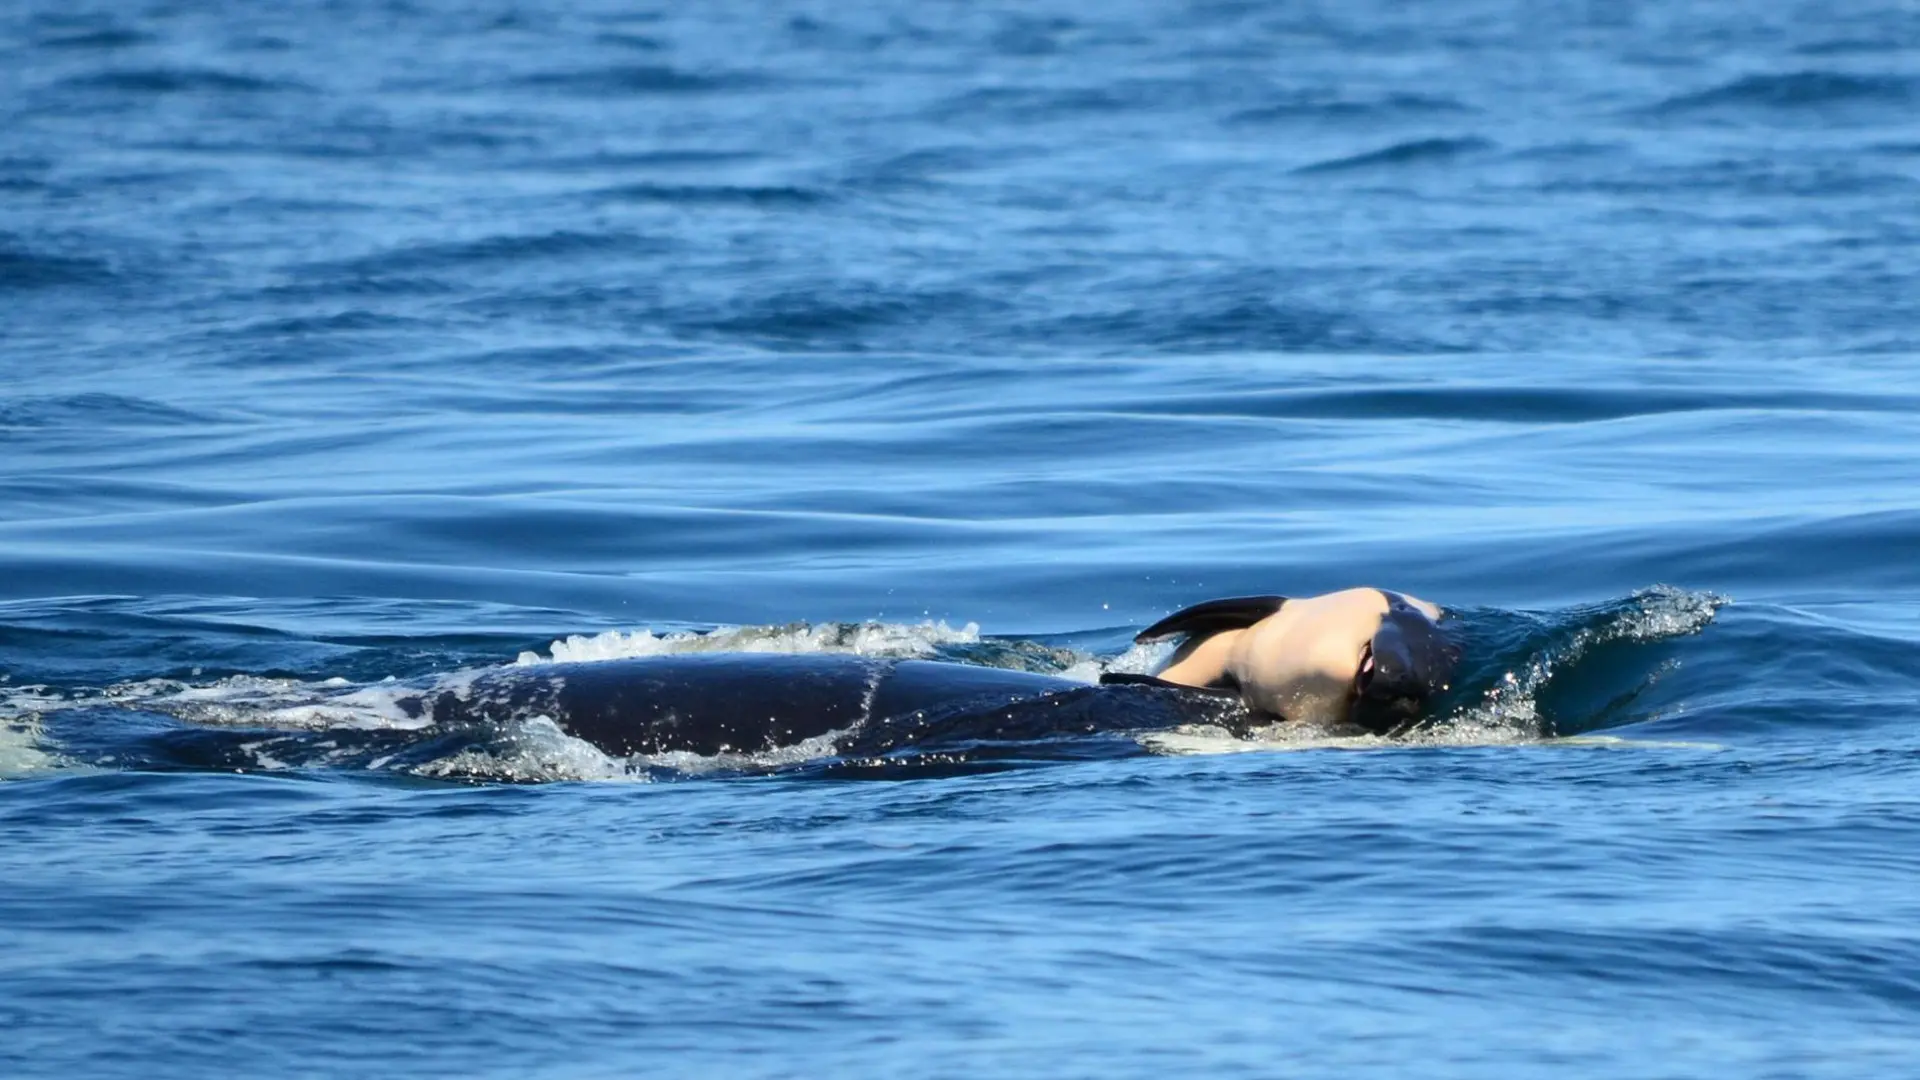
[1369, 658]
[718, 703]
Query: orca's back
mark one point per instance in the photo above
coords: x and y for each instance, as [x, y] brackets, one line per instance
[709, 703]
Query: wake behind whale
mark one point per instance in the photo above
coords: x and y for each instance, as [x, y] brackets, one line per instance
[854, 700]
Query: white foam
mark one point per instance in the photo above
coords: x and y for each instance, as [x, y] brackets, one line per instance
[816, 748]
[1137, 660]
[1210, 740]
[864, 639]
[21, 750]
[249, 701]
[23, 745]
[535, 751]
[238, 701]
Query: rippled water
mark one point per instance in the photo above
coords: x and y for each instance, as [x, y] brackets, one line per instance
[379, 340]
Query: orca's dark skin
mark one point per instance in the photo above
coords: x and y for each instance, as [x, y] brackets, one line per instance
[708, 703]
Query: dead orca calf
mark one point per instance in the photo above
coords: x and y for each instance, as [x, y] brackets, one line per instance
[1366, 657]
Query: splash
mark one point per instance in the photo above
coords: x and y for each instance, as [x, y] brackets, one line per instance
[1509, 710]
[23, 748]
[532, 751]
[256, 701]
[888, 640]
[1137, 660]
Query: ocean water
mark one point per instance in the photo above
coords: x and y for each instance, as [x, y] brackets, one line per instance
[360, 341]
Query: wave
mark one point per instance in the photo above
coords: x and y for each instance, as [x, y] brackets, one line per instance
[758, 195]
[95, 410]
[1515, 404]
[502, 248]
[861, 639]
[25, 269]
[1031, 104]
[1250, 312]
[1413, 152]
[642, 79]
[1329, 107]
[182, 80]
[103, 38]
[1794, 91]
[1528, 677]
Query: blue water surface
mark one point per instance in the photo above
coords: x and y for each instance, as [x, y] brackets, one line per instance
[358, 340]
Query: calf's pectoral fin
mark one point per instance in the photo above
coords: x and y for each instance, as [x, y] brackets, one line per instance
[1200, 620]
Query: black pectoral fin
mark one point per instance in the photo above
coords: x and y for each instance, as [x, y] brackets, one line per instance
[1126, 678]
[1231, 613]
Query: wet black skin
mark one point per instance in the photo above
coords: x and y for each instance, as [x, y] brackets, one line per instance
[719, 702]
[1408, 664]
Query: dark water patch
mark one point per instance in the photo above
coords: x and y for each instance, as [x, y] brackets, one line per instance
[70, 654]
[1806, 90]
[812, 31]
[645, 80]
[100, 410]
[321, 149]
[565, 363]
[357, 141]
[25, 269]
[1517, 404]
[1768, 668]
[1227, 315]
[1813, 968]
[1590, 304]
[1854, 46]
[1829, 180]
[1414, 153]
[464, 535]
[1025, 36]
[1576, 150]
[679, 158]
[843, 317]
[488, 250]
[266, 43]
[23, 166]
[103, 39]
[1759, 177]
[636, 42]
[928, 168]
[183, 81]
[337, 286]
[757, 195]
[355, 321]
[254, 208]
[580, 300]
[69, 492]
[1331, 107]
[1032, 103]
[1854, 551]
